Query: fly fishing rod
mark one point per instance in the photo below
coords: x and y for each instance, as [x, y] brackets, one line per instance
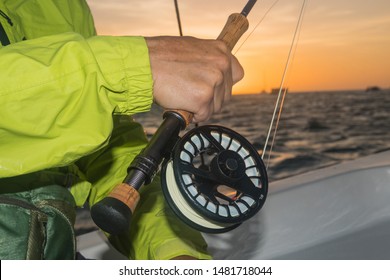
[212, 196]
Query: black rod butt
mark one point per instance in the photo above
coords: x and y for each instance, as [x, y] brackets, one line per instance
[111, 215]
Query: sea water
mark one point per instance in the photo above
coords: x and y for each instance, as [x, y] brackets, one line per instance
[316, 129]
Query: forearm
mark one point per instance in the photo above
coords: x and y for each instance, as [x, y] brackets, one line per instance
[58, 94]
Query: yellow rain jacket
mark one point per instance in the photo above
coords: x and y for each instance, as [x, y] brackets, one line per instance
[66, 100]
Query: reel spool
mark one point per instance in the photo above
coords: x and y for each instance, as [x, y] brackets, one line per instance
[215, 179]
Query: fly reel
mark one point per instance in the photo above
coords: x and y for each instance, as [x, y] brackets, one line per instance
[215, 179]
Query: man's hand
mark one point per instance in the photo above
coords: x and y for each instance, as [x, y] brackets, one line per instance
[192, 74]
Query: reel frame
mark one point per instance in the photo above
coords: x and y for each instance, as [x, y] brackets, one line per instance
[218, 195]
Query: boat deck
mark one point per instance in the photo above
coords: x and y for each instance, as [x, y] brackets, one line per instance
[338, 212]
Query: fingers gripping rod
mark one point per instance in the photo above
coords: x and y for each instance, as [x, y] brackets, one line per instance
[113, 213]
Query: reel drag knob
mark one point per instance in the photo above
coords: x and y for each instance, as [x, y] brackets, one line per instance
[215, 179]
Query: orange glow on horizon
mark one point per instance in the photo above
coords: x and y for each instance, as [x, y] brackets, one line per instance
[342, 44]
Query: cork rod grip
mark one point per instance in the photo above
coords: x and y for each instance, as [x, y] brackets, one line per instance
[235, 27]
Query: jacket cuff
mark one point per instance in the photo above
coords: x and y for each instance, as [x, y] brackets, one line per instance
[125, 65]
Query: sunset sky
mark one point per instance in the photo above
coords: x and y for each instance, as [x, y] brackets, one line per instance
[343, 44]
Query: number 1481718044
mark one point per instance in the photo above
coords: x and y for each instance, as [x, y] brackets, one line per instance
[241, 270]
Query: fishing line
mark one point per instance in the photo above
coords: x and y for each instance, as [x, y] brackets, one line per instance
[253, 30]
[274, 124]
[282, 93]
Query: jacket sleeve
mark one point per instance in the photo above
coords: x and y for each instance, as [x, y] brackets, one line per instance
[58, 94]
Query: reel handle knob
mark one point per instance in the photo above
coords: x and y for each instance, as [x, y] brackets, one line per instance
[113, 213]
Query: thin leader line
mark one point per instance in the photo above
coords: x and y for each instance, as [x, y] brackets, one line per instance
[253, 30]
[291, 53]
